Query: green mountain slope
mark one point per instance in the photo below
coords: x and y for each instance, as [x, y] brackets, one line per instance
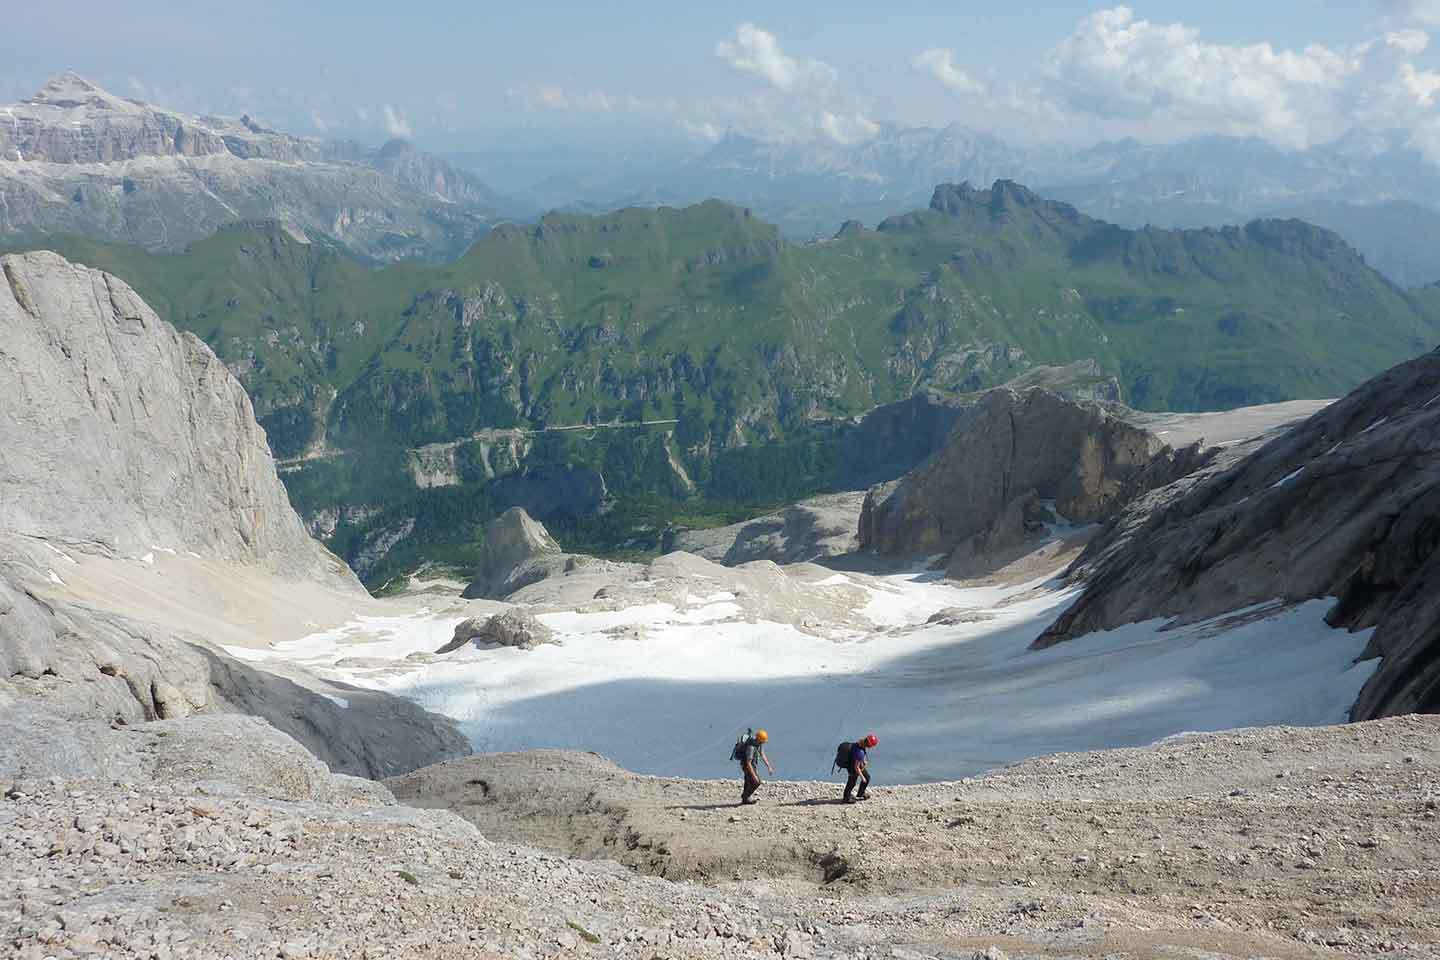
[705, 316]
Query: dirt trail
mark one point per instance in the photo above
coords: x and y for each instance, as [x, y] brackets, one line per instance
[1264, 841]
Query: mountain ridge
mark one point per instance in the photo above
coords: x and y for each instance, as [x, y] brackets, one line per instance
[77, 158]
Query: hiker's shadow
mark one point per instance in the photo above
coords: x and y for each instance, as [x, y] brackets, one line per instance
[815, 802]
[706, 806]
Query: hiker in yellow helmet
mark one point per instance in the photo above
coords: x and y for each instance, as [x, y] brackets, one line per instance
[748, 749]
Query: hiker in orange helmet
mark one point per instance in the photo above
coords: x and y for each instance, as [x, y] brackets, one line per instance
[858, 768]
[748, 749]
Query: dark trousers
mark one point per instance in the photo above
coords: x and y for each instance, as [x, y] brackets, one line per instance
[752, 783]
[861, 778]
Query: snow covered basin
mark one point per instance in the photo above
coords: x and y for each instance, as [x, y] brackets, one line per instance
[669, 695]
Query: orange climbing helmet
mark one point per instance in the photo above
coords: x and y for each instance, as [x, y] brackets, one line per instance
[761, 736]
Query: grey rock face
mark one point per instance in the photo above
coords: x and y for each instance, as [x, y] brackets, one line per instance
[513, 628]
[809, 530]
[517, 551]
[121, 432]
[120, 436]
[1343, 505]
[1003, 445]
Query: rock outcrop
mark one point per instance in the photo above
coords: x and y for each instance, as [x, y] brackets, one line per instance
[516, 551]
[1344, 505]
[1006, 445]
[513, 628]
[810, 530]
[118, 431]
[121, 439]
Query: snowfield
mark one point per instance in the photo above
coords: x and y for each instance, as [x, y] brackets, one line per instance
[665, 687]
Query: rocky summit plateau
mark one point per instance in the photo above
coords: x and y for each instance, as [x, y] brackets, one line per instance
[75, 158]
[1146, 683]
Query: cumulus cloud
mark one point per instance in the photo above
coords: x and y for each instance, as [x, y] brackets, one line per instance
[1413, 11]
[940, 64]
[757, 52]
[395, 123]
[1165, 79]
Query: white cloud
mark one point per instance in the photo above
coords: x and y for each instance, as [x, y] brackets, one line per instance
[318, 122]
[757, 52]
[702, 130]
[940, 64]
[847, 128]
[1165, 81]
[549, 96]
[1413, 11]
[363, 114]
[395, 123]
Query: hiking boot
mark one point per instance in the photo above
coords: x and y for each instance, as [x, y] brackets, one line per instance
[863, 796]
[749, 802]
[852, 799]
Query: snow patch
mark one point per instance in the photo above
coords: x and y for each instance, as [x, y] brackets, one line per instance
[948, 700]
[1286, 479]
[55, 578]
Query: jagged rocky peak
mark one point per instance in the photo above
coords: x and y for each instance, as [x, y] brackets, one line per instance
[70, 91]
[1004, 197]
[120, 432]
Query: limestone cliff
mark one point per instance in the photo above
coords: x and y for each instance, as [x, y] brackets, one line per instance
[1344, 505]
[121, 440]
[1006, 445]
[119, 432]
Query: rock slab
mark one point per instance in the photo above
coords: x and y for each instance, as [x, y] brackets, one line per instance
[1343, 505]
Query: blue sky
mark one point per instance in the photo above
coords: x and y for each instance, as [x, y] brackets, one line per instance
[1293, 71]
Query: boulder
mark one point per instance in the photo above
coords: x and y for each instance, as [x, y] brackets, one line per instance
[1005, 444]
[513, 628]
[517, 551]
[1343, 505]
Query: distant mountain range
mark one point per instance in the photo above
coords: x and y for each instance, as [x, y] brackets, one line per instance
[748, 349]
[76, 158]
[1375, 190]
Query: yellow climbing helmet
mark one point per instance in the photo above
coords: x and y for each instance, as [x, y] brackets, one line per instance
[761, 736]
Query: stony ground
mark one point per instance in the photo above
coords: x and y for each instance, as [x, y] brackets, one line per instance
[1279, 843]
[1275, 841]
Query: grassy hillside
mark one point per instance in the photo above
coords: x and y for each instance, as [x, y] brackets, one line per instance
[706, 316]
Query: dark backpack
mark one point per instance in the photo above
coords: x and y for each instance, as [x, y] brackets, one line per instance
[842, 755]
[742, 744]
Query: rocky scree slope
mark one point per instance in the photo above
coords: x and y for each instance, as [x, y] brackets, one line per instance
[120, 439]
[77, 158]
[1345, 505]
[1008, 449]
